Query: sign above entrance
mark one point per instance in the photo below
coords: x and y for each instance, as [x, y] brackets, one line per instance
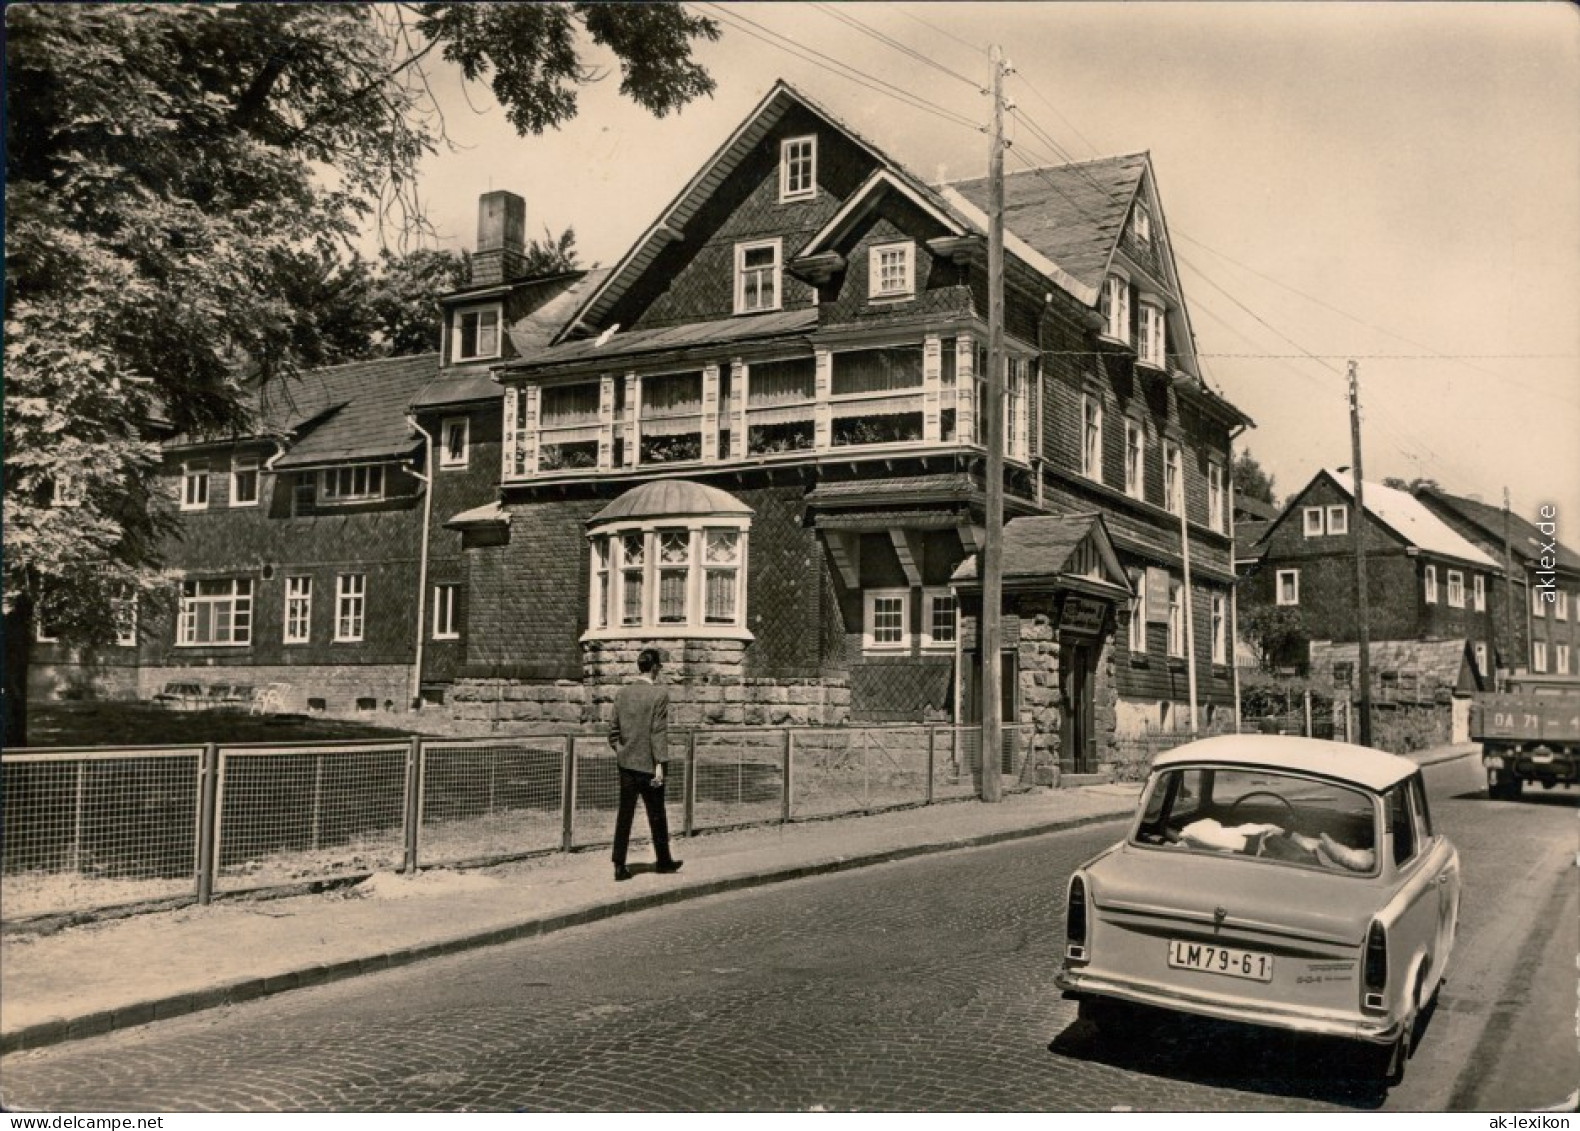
[1157, 601]
[1082, 615]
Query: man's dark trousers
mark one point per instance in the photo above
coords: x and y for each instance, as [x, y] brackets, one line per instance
[634, 783]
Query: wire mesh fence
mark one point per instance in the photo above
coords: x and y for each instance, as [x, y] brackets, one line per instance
[491, 799]
[289, 814]
[87, 829]
[98, 828]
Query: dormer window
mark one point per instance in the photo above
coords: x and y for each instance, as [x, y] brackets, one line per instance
[357, 484]
[1154, 344]
[474, 330]
[891, 270]
[1116, 308]
[756, 276]
[1141, 225]
[798, 168]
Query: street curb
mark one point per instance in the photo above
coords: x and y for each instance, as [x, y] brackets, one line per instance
[58, 1030]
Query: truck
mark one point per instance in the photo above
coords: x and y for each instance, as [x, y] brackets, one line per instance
[1529, 732]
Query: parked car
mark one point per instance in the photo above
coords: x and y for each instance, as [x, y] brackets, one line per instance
[1277, 881]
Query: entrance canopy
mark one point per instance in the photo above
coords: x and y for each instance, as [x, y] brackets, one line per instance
[1055, 552]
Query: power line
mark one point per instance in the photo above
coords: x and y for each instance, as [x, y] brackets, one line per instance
[904, 10]
[909, 52]
[835, 67]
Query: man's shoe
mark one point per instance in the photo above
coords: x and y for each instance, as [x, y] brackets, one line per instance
[666, 867]
[621, 873]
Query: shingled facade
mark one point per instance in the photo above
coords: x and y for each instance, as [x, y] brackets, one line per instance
[757, 444]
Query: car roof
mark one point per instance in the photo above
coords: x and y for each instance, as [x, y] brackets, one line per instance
[1374, 769]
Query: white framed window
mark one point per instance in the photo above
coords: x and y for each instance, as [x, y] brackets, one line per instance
[1176, 618]
[1135, 459]
[446, 620]
[124, 611]
[455, 436]
[1312, 517]
[1338, 519]
[244, 481]
[1138, 612]
[1537, 602]
[194, 485]
[1173, 481]
[298, 609]
[1456, 589]
[757, 276]
[1429, 584]
[1288, 587]
[1091, 437]
[1116, 308]
[1481, 660]
[798, 168]
[1478, 592]
[1154, 336]
[679, 578]
[939, 618]
[1215, 495]
[1561, 604]
[1561, 658]
[887, 623]
[351, 605]
[891, 270]
[360, 483]
[1141, 225]
[1220, 629]
[1539, 656]
[215, 611]
[474, 332]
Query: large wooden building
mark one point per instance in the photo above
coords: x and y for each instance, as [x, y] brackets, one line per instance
[756, 442]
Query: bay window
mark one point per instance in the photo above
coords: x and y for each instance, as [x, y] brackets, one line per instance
[668, 578]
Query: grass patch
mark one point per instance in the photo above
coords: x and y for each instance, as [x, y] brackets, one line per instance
[127, 723]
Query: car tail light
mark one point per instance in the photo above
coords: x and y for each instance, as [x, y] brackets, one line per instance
[1075, 920]
[1376, 966]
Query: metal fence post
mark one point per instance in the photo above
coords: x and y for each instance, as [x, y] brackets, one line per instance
[75, 861]
[208, 795]
[318, 797]
[412, 809]
[690, 792]
[786, 778]
[932, 736]
[568, 794]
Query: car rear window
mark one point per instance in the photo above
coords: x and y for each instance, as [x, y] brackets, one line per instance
[1266, 814]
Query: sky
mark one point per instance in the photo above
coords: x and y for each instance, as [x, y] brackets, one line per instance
[1397, 184]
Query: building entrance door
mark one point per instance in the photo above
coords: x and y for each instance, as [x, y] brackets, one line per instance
[1077, 679]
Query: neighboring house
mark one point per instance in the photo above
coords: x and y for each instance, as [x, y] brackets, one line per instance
[757, 444]
[1424, 581]
[1538, 622]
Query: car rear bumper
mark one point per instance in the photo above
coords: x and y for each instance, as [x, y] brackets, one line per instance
[1079, 984]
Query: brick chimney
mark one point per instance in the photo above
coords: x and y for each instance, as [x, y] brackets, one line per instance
[501, 238]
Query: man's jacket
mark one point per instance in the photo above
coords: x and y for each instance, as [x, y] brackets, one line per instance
[640, 730]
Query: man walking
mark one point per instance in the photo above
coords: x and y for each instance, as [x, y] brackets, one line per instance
[640, 737]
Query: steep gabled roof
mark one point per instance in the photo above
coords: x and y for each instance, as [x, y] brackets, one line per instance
[1525, 540]
[1041, 547]
[1072, 214]
[1400, 512]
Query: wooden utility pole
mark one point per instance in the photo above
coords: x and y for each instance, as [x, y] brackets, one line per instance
[1363, 667]
[1508, 596]
[993, 440]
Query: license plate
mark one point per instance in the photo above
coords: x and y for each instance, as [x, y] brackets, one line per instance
[1543, 758]
[1225, 960]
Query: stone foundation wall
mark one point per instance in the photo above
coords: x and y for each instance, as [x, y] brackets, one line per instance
[706, 685]
[348, 690]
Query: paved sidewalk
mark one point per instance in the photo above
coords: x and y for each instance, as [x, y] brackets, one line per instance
[117, 973]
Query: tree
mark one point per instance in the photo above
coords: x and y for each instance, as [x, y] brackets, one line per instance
[1278, 635]
[1419, 483]
[183, 182]
[1251, 481]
